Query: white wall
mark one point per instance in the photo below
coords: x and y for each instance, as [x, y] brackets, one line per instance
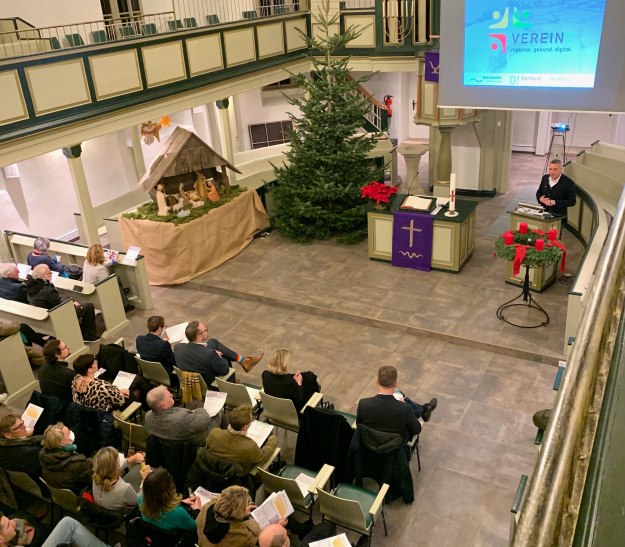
[42, 201]
[47, 13]
[249, 110]
[157, 6]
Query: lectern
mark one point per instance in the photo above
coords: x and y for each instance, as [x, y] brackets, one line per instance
[542, 277]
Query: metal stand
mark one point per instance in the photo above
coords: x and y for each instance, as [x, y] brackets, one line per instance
[557, 146]
[528, 301]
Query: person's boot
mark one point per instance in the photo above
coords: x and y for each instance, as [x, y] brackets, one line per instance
[428, 408]
[250, 362]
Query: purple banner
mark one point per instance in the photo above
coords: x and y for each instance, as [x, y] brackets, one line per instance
[412, 240]
[431, 66]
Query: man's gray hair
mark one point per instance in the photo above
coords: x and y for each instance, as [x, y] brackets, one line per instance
[6, 269]
[155, 397]
[41, 244]
[39, 271]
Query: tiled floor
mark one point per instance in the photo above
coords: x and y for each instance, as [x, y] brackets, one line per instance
[342, 316]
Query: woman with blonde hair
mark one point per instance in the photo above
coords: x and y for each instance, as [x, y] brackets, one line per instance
[96, 269]
[278, 382]
[226, 520]
[109, 489]
[160, 504]
[61, 465]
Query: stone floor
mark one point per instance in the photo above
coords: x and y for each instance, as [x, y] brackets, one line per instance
[342, 316]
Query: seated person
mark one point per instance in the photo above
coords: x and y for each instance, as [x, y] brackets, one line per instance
[226, 520]
[19, 448]
[61, 465]
[39, 255]
[166, 421]
[95, 269]
[160, 505]
[89, 391]
[55, 377]
[233, 444]
[109, 489]
[390, 410]
[153, 346]
[11, 288]
[207, 356]
[17, 531]
[277, 381]
[43, 294]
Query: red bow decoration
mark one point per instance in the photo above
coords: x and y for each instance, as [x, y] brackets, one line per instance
[519, 257]
[563, 249]
[538, 232]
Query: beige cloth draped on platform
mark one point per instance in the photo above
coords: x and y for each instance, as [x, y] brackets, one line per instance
[174, 254]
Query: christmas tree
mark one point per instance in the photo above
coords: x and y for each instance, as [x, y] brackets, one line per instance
[318, 192]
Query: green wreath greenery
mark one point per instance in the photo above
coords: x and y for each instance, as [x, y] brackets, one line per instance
[149, 210]
[533, 257]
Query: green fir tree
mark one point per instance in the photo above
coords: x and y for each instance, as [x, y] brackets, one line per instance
[318, 192]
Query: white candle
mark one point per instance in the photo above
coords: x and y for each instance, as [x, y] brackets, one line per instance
[452, 192]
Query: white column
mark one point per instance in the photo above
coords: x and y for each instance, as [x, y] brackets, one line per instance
[137, 150]
[87, 215]
[226, 134]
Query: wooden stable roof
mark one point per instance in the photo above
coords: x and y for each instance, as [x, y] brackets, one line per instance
[183, 152]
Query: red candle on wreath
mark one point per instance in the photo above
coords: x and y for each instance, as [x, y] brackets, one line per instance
[508, 239]
[539, 244]
[552, 234]
[523, 227]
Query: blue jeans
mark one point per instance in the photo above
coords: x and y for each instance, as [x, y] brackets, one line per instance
[71, 531]
[416, 407]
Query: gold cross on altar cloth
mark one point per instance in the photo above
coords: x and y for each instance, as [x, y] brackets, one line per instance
[412, 230]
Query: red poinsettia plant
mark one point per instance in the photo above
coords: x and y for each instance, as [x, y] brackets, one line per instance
[378, 191]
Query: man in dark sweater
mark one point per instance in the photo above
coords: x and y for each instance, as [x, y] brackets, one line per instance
[153, 346]
[207, 356]
[43, 294]
[11, 288]
[556, 191]
[55, 377]
[390, 410]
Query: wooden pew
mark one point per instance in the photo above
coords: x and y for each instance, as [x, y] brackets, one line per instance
[103, 295]
[15, 368]
[133, 276]
[60, 322]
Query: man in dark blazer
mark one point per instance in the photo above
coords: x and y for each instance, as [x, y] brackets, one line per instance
[207, 356]
[556, 191]
[153, 346]
[390, 410]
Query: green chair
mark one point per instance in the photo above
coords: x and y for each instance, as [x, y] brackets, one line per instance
[132, 434]
[74, 40]
[26, 484]
[54, 43]
[190, 22]
[176, 24]
[127, 31]
[285, 480]
[212, 19]
[154, 372]
[251, 14]
[200, 378]
[99, 36]
[237, 395]
[282, 413]
[149, 28]
[64, 499]
[353, 508]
